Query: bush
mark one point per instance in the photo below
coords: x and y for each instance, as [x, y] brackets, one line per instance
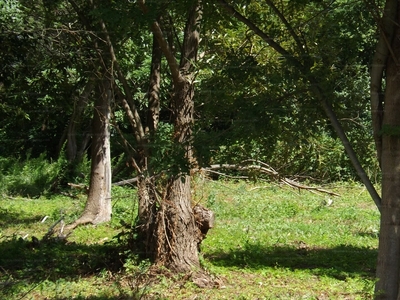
[35, 176]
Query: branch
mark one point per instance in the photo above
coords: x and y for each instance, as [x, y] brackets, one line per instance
[191, 38]
[172, 63]
[138, 127]
[295, 184]
[288, 26]
[269, 40]
[315, 87]
[127, 181]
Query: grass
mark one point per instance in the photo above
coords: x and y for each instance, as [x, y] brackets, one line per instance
[269, 242]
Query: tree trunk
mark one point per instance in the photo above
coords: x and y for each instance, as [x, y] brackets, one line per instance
[153, 112]
[388, 267]
[98, 205]
[168, 225]
[176, 235]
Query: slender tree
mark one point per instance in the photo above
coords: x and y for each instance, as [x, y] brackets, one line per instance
[98, 204]
[386, 126]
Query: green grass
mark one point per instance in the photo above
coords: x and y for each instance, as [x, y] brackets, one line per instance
[268, 243]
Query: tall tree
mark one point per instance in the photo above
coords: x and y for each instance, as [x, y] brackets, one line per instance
[98, 204]
[385, 107]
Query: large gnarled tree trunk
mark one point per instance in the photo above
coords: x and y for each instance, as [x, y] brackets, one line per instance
[173, 235]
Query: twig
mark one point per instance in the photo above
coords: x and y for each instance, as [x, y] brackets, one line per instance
[51, 229]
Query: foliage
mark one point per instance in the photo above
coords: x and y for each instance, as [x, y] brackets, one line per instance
[33, 177]
[280, 244]
[255, 103]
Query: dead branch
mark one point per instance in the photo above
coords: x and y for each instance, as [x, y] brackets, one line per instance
[127, 181]
[295, 184]
[263, 168]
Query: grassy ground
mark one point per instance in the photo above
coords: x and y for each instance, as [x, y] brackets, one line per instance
[269, 243]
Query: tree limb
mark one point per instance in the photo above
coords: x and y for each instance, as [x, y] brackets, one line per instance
[288, 26]
[172, 63]
[269, 40]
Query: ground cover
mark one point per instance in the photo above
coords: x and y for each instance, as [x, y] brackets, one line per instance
[269, 242]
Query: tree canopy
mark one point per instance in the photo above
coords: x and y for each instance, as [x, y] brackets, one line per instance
[250, 100]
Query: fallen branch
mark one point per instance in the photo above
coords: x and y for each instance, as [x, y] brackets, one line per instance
[263, 168]
[295, 184]
[127, 181]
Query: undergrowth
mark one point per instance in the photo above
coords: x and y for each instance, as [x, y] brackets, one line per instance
[33, 177]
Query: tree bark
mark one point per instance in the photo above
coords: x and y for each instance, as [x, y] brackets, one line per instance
[388, 267]
[98, 204]
[386, 26]
[147, 194]
[176, 234]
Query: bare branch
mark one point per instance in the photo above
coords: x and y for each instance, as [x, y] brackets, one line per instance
[269, 40]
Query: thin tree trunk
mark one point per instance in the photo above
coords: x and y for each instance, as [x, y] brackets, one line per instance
[79, 106]
[147, 194]
[386, 26]
[388, 267]
[154, 88]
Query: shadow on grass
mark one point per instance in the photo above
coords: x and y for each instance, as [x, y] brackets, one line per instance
[11, 219]
[24, 262]
[339, 262]
[55, 259]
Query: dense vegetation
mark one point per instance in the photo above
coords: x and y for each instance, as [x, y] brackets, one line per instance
[250, 103]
